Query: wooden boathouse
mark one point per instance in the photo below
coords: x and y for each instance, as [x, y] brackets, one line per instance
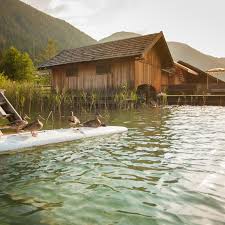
[188, 79]
[131, 62]
[191, 85]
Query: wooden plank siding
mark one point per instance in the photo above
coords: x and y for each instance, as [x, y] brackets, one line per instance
[175, 78]
[131, 72]
[122, 73]
[149, 71]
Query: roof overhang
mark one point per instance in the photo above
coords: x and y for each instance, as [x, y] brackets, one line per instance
[88, 61]
[186, 69]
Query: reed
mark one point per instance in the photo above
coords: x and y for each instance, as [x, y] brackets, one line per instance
[27, 98]
[164, 100]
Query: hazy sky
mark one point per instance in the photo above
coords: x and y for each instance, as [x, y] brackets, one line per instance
[199, 23]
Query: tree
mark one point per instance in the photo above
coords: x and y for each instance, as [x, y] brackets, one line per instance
[16, 65]
[49, 52]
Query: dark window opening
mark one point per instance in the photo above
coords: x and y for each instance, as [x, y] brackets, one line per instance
[102, 69]
[72, 71]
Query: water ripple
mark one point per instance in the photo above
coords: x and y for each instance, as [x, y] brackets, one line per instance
[168, 169]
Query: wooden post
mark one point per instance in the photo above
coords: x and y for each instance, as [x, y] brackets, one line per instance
[207, 82]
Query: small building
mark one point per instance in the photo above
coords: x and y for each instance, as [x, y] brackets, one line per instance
[131, 62]
[188, 79]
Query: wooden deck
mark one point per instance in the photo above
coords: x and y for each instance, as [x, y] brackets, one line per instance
[210, 99]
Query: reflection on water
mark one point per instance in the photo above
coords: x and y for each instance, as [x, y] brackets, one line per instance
[168, 169]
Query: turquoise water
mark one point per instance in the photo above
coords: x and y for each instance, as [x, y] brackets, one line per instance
[168, 169]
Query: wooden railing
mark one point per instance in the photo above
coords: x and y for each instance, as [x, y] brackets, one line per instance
[195, 88]
[216, 88]
[180, 88]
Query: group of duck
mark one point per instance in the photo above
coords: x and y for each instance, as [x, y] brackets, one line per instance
[96, 122]
[36, 125]
[24, 125]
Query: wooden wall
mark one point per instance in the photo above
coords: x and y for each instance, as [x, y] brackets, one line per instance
[177, 77]
[149, 71]
[183, 77]
[165, 78]
[122, 73]
[132, 72]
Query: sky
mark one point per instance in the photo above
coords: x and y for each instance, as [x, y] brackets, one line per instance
[198, 23]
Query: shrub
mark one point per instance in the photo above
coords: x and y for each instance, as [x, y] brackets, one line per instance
[17, 66]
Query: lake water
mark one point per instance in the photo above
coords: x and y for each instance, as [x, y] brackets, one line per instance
[168, 169]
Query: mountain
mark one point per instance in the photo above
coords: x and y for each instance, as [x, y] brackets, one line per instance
[29, 29]
[180, 51]
[119, 36]
[194, 57]
[221, 60]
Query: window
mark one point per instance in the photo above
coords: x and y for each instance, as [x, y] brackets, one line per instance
[102, 69]
[72, 71]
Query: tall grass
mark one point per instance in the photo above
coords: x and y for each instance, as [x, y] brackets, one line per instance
[28, 98]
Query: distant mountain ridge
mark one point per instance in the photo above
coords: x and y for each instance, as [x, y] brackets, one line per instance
[179, 51]
[184, 52]
[29, 29]
[119, 36]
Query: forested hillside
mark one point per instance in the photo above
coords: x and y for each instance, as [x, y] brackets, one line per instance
[29, 30]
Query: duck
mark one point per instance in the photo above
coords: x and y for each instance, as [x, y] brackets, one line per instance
[34, 126]
[18, 125]
[95, 122]
[73, 120]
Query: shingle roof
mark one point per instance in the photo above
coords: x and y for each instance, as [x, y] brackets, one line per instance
[186, 68]
[115, 49]
[199, 71]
